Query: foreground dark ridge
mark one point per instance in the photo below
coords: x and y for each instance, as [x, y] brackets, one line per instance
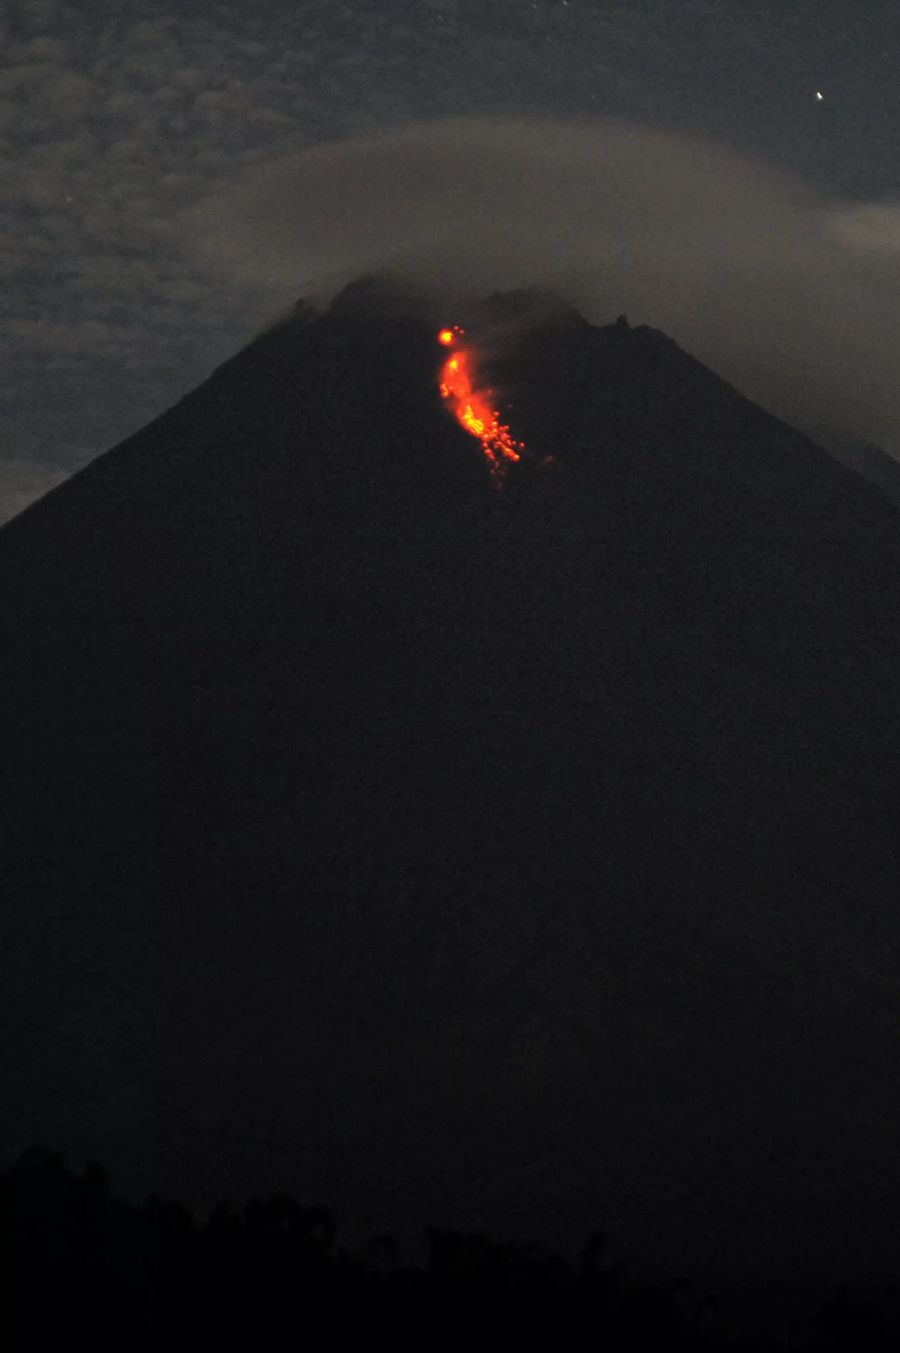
[78, 1263]
[463, 835]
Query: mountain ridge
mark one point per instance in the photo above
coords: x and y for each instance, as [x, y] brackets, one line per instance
[381, 827]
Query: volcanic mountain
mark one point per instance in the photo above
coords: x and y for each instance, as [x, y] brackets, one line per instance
[521, 858]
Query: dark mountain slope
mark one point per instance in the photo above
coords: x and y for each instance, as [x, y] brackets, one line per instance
[520, 858]
[870, 462]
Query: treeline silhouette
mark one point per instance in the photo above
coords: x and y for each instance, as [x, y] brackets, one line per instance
[78, 1265]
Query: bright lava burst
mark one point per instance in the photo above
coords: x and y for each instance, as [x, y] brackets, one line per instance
[473, 406]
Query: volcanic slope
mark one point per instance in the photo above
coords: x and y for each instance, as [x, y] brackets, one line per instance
[523, 858]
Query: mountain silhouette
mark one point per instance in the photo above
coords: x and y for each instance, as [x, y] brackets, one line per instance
[871, 462]
[521, 858]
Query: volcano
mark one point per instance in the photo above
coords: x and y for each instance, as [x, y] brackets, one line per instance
[520, 859]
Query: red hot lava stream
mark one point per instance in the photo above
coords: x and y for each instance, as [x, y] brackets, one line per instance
[473, 406]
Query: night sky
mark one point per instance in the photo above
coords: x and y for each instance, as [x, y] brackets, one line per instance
[116, 126]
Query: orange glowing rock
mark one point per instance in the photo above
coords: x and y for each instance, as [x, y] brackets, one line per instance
[473, 408]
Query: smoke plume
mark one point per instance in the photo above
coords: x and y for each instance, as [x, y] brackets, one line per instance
[793, 297]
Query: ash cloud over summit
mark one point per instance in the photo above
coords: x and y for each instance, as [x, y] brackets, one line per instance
[792, 296]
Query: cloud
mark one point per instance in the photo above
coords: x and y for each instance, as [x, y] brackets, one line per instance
[872, 226]
[792, 296]
[106, 135]
[85, 338]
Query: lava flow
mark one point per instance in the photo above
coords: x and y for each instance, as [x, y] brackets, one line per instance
[473, 406]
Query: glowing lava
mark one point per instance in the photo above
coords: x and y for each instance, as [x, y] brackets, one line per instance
[473, 407]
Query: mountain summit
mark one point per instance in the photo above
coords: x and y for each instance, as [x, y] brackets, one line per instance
[522, 859]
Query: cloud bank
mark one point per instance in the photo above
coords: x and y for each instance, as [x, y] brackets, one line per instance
[792, 296]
